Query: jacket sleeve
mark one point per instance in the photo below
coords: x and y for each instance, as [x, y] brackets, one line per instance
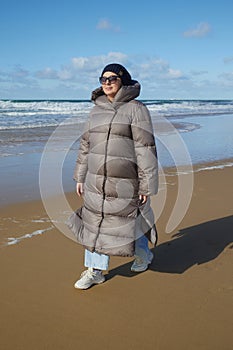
[82, 159]
[145, 151]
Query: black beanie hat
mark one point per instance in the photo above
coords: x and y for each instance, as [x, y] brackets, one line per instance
[120, 71]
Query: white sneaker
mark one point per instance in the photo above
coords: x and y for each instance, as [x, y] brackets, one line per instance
[88, 278]
[141, 263]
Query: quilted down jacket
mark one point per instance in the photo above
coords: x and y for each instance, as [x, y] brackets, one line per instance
[117, 162]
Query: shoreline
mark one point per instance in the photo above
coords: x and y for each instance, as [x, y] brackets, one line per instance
[41, 218]
[68, 183]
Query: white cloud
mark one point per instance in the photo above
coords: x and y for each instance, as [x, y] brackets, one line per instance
[202, 29]
[19, 72]
[174, 73]
[14, 82]
[198, 72]
[79, 77]
[65, 74]
[228, 59]
[79, 62]
[227, 76]
[83, 71]
[86, 68]
[47, 73]
[18, 76]
[117, 56]
[105, 24]
[155, 70]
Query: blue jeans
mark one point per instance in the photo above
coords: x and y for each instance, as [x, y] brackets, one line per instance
[101, 261]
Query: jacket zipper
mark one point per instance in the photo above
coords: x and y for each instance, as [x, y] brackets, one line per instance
[105, 175]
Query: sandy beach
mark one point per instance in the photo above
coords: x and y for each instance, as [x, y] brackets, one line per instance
[184, 300]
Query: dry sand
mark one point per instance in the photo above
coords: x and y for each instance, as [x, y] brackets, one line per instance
[184, 301]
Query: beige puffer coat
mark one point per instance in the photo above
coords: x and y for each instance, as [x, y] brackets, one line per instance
[117, 162]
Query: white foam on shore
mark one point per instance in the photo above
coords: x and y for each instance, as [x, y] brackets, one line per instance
[202, 168]
[212, 167]
[14, 240]
[41, 220]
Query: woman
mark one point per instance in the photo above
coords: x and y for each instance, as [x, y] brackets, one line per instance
[116, 172]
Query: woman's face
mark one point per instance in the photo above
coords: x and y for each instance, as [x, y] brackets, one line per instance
[111, 88]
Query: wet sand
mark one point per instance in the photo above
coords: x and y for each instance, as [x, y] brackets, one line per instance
[184, 301]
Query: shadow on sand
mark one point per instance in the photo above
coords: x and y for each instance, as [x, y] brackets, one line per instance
[192, 245]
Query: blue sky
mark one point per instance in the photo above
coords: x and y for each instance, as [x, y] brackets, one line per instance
[57, 49]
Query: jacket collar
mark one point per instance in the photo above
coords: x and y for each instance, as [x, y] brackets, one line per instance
[125, 94]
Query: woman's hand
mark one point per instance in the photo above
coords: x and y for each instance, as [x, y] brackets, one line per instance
[142, 198]
[79, 188]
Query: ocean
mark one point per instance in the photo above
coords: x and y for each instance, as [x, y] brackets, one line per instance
[186, 132]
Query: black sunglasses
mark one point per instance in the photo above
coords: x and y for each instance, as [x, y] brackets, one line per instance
[111, 79]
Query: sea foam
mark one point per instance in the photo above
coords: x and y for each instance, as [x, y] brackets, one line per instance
[14, 240]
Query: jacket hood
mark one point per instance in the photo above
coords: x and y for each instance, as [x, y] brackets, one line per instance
[125, 94]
